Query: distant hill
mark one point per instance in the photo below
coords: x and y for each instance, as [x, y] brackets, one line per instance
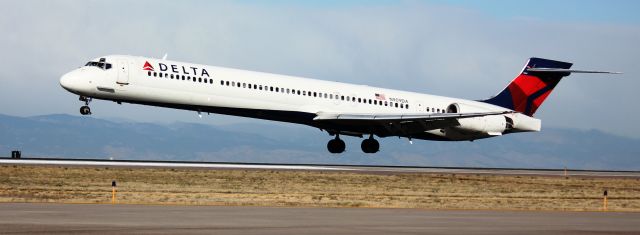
[86, 137]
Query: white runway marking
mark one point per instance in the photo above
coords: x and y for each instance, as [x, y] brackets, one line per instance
[390, 169]
[162, 164]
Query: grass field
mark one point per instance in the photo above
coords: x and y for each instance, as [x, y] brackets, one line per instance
[314, 188]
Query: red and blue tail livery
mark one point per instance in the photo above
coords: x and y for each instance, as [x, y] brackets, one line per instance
[532, 86]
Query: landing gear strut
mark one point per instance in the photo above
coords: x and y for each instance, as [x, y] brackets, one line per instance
[370, 145]
[85, 110]
[336, 145]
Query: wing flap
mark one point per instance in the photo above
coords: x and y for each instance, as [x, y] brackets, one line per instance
[402, 124]
[401, 117]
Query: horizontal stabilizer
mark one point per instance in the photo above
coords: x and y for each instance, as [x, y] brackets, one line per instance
[554, 70]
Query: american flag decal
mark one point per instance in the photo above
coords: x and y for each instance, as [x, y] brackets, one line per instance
[380, 97]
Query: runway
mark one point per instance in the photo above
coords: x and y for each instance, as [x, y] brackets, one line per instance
[321, 167]
[28, 218]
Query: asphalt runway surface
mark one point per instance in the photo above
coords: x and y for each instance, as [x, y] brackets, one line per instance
[319, 167]
[36, 218]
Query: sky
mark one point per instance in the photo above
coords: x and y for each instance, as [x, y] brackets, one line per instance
[466, 49]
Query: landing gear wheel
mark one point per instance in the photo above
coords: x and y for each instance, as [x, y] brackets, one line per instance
[85, 110]
[370, 145]
[336, 145]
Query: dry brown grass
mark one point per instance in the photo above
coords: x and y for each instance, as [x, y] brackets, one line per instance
[314, 188]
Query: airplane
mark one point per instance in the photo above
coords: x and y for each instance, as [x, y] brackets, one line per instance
[340, 109]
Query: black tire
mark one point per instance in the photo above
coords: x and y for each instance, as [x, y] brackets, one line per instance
[85, 110]
[370, 146]
[336, 146]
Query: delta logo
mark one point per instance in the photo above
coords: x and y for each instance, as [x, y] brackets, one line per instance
[147, 66]
[177, 69]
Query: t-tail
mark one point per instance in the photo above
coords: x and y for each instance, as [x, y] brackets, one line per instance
[533, 85]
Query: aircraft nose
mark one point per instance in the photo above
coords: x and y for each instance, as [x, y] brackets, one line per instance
[64, 81]
[67, 81]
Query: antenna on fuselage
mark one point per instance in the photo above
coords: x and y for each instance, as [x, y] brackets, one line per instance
[165, 56]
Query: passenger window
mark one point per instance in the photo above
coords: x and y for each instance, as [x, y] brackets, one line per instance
[315, 94]
[277, 89]
[406, 106]
[386, 104]
[226, 82]
[232, 83]
[396, 105]
[155, 74]
[171, 76]
[221, 83]
[270, 88]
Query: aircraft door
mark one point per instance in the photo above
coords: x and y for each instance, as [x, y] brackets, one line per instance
[123, 72]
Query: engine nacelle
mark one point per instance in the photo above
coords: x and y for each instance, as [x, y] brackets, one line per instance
[491, 125]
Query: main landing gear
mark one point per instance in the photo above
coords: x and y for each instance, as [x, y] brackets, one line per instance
[369, 145]
[336, 145]
[85, 110]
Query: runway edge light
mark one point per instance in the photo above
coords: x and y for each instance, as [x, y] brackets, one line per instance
[113, 192]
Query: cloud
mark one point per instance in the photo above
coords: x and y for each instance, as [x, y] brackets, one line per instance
[416, 46]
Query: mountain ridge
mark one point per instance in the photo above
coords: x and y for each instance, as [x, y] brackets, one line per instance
[68, 136]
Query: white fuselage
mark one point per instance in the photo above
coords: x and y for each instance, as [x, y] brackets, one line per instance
[213, 89]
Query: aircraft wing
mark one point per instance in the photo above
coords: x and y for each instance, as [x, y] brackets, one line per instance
[402, 124]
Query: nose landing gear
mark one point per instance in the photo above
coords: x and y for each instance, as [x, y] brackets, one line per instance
[85, 110]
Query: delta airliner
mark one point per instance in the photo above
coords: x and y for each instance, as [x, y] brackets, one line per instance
[337, 108]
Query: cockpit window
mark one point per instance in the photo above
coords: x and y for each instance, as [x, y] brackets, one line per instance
[101, 65]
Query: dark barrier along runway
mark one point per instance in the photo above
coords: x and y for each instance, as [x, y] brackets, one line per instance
[319, 167]
[28, 218]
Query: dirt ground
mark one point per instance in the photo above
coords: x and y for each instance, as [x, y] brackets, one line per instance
[296, 188]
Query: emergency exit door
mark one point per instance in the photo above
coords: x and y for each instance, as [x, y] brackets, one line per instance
[123, 72]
